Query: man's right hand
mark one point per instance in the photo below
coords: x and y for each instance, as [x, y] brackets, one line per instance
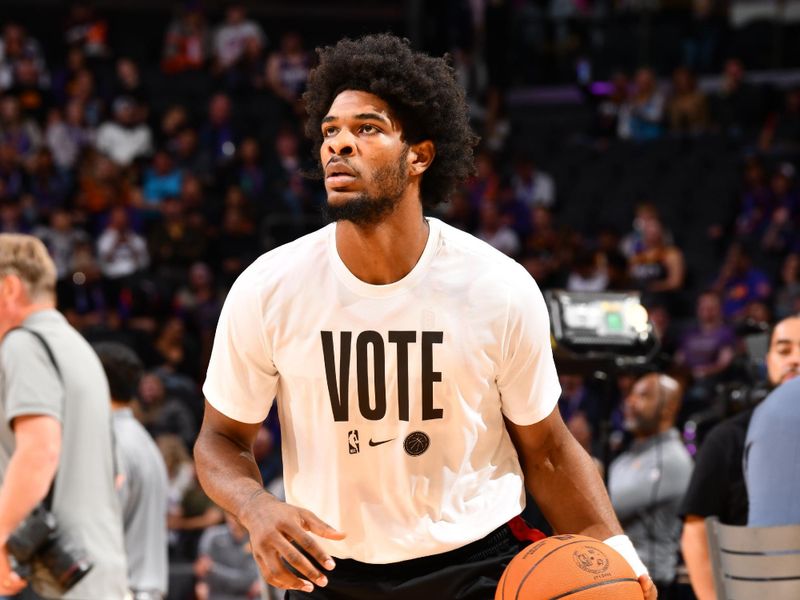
[10, 583]
[274, 526]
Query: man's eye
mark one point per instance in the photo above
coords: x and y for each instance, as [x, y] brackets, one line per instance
[369, 129]
[329, 131]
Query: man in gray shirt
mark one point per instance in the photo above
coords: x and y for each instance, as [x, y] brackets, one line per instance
[772, 457]
[647, 483]
[144, 486]
[55, 424]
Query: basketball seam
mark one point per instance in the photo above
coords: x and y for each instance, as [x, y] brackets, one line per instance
[528, 574]
[594, 585]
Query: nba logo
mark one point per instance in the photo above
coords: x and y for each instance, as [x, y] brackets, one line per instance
[352, 441]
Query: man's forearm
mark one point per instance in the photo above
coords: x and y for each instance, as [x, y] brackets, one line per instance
[570, 492]
[694, 547]
[227, 471]
[28, 477]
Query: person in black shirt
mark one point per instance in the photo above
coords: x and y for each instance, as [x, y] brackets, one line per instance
[717, 486]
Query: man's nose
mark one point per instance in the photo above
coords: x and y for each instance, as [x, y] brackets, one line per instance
[342, 144]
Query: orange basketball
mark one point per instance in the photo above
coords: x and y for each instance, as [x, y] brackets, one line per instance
[572, 567]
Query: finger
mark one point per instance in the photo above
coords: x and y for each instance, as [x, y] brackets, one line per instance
[314, 524]
[648, 587]
[312, 548]
[276, 573]
[300, 562]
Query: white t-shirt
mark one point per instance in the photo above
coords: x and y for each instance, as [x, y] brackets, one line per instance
[416, 460]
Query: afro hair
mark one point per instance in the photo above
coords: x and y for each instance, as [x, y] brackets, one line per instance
[422, 91]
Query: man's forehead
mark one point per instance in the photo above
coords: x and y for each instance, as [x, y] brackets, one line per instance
[349, 102]
[787, 331]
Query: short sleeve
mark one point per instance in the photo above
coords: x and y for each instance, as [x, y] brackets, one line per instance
[31, 383]
[528, 381]
[710, 482]
[242, 379]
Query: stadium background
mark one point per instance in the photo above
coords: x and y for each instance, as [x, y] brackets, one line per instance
[614, 133]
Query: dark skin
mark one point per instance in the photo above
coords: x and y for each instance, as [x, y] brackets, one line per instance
[361, 133]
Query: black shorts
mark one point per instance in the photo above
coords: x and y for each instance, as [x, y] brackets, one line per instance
[467, 573]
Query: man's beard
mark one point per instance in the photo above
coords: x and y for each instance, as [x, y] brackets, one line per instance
[371, 210]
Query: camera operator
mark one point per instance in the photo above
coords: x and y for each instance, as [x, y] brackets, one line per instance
[55, 429]
[717, 487]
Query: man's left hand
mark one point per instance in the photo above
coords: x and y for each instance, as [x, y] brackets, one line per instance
[10, 582]
[648, 587]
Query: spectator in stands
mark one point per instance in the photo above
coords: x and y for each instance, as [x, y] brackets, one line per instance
[658, 268]
[173, 121]
[233, 35]
[687, 107]
[587, 272]
[606, 124]
[531, 185]
[647, 482]
[484, 185]
[739, 282]
[122, 252]
[82, 295]
[577, 397]
[250, 174]
[756, 202]
[225, 567]
[780, 234]
[161, 181]
[236, 246]
[143, 489]
[64, 76]
[460, 213]
[48, 186]
[717, 487]
[128, 84]
[31, 90]
[162, 412]
[199, 303]
[217, 137]
[61, 238]
[781, 132]
[787, 296]
[126, 138]
[83, 90]
[66, 139]
[663, 325]
[641, 117]
[21, 133]
[495, 232]
[174, 244]
[736, 108]
[187, 44]
[709, 19]
[177, 350]
[85, 30]
[189, 158]
[16, 45]
[12, 176]
[287, 71]
[190, 511]
[706, 350]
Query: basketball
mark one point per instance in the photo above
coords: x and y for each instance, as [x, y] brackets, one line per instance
[573, 567]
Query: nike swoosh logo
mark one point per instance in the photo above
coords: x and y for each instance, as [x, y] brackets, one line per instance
[371, 443]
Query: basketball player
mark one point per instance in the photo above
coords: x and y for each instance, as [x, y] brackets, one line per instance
[415, 380]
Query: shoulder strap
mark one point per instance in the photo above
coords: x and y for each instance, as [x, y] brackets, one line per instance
[48, 501]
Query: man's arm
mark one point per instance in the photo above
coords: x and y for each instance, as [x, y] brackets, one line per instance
[694, 547]
[563, 480]
[30, 472]
[566, 485]
[229, 475]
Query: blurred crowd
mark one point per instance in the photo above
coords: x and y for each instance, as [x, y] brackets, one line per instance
[151, 202]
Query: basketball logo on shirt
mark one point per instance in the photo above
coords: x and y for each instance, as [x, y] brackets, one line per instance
[416, 443]
[352, 442]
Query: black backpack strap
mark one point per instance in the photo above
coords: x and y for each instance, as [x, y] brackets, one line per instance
[48, 501]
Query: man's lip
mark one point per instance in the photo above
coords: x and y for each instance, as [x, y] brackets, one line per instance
[339, 179]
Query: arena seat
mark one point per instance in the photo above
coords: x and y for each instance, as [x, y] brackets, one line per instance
[755, 562]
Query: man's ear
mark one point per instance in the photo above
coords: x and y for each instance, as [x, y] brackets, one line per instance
[420, 157]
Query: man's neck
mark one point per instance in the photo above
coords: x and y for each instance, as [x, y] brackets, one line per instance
[384, 253]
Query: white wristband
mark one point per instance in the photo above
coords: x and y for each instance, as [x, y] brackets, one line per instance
[623, 545]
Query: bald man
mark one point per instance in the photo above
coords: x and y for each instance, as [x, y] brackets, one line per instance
[647, 482]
